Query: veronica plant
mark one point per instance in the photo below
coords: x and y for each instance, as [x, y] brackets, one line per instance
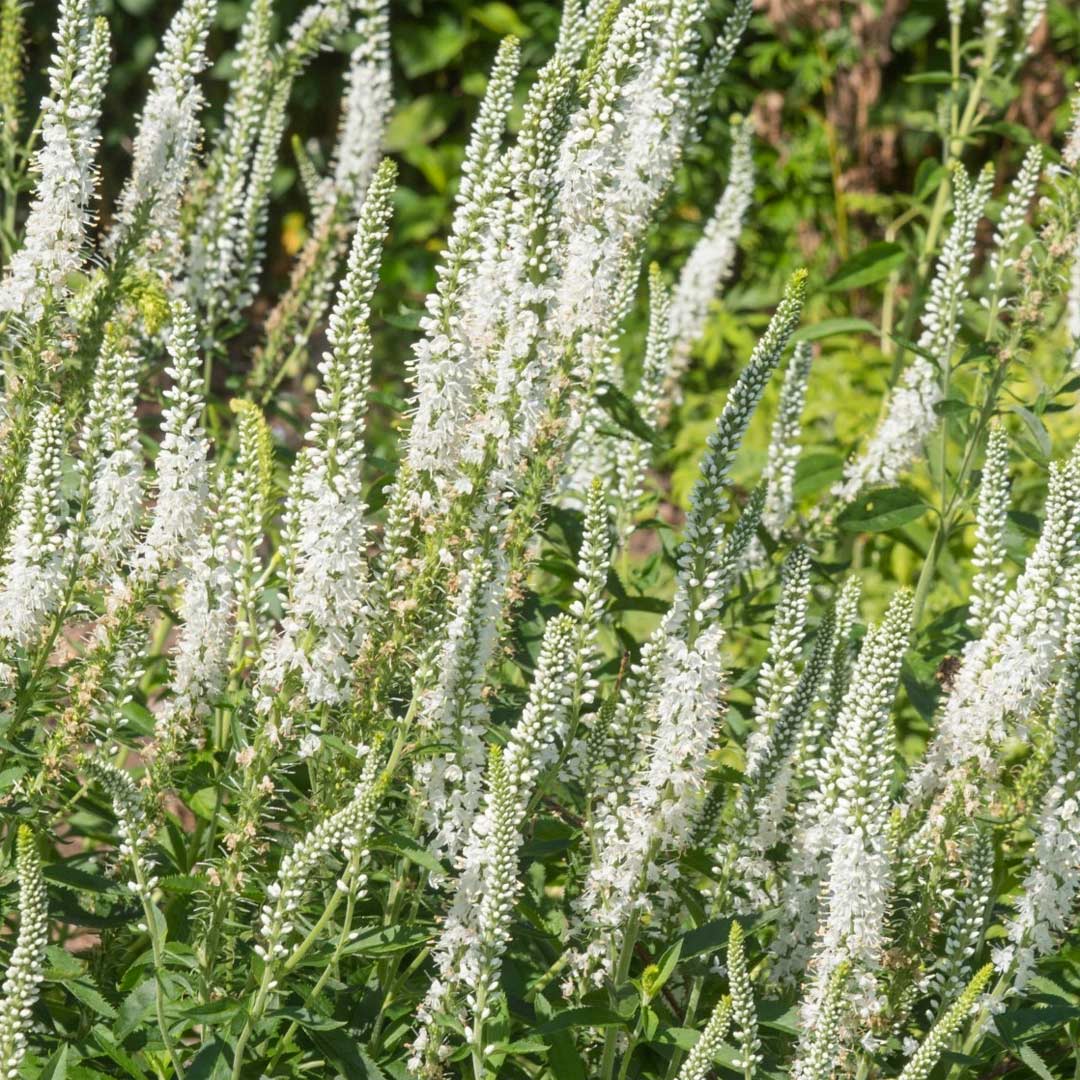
[440, 758]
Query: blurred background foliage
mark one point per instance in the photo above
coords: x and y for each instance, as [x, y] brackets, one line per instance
[844, 100]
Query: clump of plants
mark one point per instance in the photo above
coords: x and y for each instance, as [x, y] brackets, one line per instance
[317, 764]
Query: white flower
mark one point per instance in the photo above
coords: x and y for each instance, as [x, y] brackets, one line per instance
[55, 229]
[1005, 672]
[33, 576]
[366, 108]
[783, 453]
[111, 451]
[911, 415]
[326, 544]
[167, 139]
[26, 967]
[181, 477]
[988, 587]
[713, 257]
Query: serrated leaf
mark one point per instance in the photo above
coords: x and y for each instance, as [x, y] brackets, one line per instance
[62, 965]
[135, 1008]
[1035, 1063]
[91, 997]
[71, 877]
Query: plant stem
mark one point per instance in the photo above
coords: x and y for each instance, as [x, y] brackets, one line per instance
[622, 971]
[157, 947]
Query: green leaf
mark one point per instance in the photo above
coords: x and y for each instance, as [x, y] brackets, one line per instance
[871, 264]
[308, 1019]
[417, 122]
[91, 997]
[814, 472]
[62, 965]
[202, 803]
[583, 1016]
[951, 406]
[655, 605]
[103, 1038]
[654, 976]
[10, 775]
[135, 1008]
[393, 841]
[56, 1066]
[500, 19]
[1029, 1023]
[212, 1062]
[929, 78]
[386, 941]
[682, 1037]
[706, 938]
[521, 1046]
[353, 1060]
[1035, 1063]
[624, 412]
[1036, 429]
[213, 1012]
[882, 509]
[779, 1017]
[564, 1060]
[831, 327]
[431, 50]
[71, 877]
[927, 178]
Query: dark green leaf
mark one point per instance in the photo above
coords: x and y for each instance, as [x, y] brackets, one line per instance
[584, 1016]
[624, 412]
[564, 1059]
[71, 877]
[213, 1062]
[352, 1059]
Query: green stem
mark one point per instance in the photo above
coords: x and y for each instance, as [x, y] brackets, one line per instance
[622, 972]
[157, 948]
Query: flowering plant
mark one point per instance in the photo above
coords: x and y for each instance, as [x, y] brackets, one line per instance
[308, 770]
